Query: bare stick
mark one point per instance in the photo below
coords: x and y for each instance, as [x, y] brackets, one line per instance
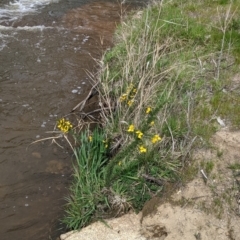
[84, 101]
[204, 175]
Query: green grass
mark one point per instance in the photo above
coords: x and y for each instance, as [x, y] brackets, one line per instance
[88, 180]
[235, 166]
[168, 75]
[207, 166]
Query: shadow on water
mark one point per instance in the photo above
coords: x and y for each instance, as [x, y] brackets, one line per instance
[44, 57]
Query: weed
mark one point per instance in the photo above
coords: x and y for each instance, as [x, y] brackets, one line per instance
[88, 179]
[207, 166]
[219, 153]
[217, 207]
[235, 166]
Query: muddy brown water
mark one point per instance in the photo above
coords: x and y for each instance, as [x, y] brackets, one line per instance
[44, 56]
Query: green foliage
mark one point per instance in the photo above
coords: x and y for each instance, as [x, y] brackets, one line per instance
[235, 166]
[161, 89]
[207, 166]
[177, 54]
[88, 180]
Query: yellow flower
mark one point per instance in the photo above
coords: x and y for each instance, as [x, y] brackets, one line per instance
[123, 97]
[90, 138]
[134, 90]
[130, 103]
[152, 123]
[148, 110]
[129, 89]
[133, 93]
[131, 128]
[139, 134]
[106, 143]
[156, 138]
[120, 163]
[64, 126]
[142, 149]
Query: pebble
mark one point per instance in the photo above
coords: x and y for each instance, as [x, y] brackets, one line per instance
[43, 124]
[36, 154]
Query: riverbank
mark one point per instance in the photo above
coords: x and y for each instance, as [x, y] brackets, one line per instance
[199, 209]
[165, 89]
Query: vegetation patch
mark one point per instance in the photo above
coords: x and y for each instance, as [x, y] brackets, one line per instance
[86, 191]
[163, 90]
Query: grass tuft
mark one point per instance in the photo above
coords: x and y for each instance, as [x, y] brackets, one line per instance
[86, 191]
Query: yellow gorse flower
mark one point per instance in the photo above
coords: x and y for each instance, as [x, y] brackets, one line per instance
[90, 138]
[123, 97]
[129, 95]
[129, 88]
[130, 103]
[64, 125]
[148, 110]
[152, 123]
[131, 128]
[105, 143]
[139, 134]
[142, 149]
[134, 91]
[156, 138]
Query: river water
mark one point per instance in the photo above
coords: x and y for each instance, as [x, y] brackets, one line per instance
[46, 49]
